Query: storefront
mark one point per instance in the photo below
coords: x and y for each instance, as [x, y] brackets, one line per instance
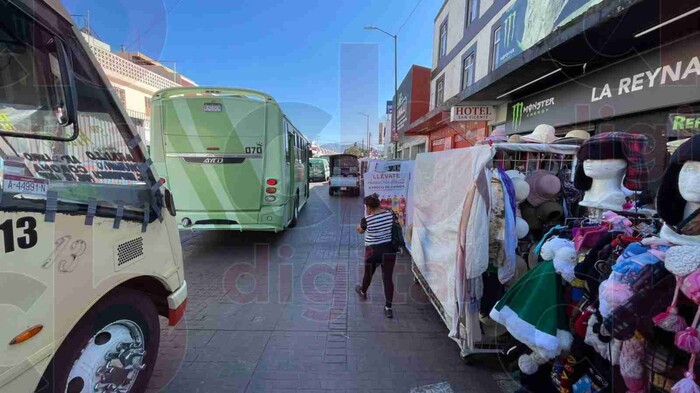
[641, 94]
[446, 131]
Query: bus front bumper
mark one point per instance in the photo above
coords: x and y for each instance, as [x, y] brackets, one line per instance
[177, 302]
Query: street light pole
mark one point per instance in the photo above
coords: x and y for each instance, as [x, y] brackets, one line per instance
[396, 85]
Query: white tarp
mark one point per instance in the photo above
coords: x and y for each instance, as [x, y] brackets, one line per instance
[442, 182]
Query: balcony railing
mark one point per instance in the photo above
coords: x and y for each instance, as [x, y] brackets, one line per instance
[111, 62]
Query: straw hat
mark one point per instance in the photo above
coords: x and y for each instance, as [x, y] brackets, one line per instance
[573, 137]
[515, 138]
[544, 133]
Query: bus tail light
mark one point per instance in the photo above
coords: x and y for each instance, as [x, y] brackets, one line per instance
[271, 182]
[161, 181]
[270, 198]
[270, 190]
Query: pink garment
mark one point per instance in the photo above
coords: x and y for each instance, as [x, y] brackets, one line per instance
[588, 236]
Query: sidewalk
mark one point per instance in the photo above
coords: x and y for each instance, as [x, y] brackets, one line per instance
[278, 313]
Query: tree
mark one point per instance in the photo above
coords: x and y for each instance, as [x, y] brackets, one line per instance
[354, 150]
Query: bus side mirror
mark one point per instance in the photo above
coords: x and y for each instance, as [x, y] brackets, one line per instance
[169, 202]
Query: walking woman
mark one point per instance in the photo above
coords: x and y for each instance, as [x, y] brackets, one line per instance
[379, 250]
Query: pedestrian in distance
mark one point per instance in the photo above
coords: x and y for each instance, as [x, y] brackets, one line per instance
[379, 249]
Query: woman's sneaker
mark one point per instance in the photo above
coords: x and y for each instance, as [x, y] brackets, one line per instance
[358, 290]
[389, 313]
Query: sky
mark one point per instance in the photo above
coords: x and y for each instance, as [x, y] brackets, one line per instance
[313, 56]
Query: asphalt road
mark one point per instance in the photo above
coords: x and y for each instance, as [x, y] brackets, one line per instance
[277, 313]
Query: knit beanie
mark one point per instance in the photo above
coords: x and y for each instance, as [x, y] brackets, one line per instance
[615, 145]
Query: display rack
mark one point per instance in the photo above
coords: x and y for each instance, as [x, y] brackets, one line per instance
[525, 157]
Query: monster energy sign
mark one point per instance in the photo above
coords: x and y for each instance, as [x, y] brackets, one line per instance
[526, 22]
[528, 109]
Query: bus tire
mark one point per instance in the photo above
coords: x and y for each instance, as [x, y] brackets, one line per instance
[331, 192]
[295, 213]
[102, 331]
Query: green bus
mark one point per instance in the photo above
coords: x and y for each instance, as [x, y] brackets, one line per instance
[231, 158]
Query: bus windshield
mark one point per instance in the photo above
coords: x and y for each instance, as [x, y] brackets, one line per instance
[95, 165]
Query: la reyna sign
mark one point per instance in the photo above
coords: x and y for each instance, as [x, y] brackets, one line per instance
[472, 113]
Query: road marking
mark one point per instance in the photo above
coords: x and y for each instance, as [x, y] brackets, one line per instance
[442, 387]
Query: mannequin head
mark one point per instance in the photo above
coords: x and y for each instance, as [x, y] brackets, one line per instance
[605, 191]
[604, 169]
[689, 181]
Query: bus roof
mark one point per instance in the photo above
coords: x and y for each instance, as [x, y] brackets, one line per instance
[212, 91]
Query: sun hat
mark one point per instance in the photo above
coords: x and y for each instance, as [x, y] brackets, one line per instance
[543, 133]
[514, 173]
[515, 138]
[522, 189]
[497, 135]
[529, 214]
[544, 187]
[550, 213]
[573, 137]
[521, 227]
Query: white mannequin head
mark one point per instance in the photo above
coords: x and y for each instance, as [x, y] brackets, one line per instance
[689, 188]
[604, 169]
[606, 185]
[689, 181]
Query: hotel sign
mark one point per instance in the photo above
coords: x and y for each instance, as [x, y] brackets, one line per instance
[472, 113]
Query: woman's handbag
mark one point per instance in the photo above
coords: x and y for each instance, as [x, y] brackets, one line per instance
[397, 241]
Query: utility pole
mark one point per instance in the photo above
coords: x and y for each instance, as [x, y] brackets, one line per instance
[396, 86]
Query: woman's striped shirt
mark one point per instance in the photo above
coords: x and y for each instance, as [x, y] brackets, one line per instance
[378, 228]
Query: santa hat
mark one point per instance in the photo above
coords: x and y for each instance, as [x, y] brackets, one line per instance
[669, 202]
[615, 145]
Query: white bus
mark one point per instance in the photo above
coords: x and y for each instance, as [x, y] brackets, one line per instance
[89, 249]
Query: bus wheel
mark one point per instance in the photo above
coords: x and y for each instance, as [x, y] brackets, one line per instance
[331, 192]
[295, 213]
[114, 347]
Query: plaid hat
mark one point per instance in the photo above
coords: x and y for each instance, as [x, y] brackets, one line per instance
[669, 202]
[615, 145]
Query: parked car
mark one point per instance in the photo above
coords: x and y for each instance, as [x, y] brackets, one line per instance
[345, 174]
[319, 169]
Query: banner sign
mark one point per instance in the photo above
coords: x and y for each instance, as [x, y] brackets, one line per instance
[389, 107]
[391, 181]
[527, 22]
[683, 125]
[472, 113]
[664, 77]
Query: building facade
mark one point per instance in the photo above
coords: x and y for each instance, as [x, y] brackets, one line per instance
[596, 65]
[135, 78]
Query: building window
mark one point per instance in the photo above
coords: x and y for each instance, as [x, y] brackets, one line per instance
[443, 39]
[440, 91]
[121, 93]
[495, 49]
[468, 71]
[472, 11]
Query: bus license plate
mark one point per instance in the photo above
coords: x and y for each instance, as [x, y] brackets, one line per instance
[24, 185]
[343, 188]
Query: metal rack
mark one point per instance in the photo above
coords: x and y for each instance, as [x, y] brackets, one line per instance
[525, 157]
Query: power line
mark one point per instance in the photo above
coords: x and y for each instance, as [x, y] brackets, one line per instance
[409, 16]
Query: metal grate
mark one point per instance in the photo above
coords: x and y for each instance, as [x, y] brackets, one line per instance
[129, 251]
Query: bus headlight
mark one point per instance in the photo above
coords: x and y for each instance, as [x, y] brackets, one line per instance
[270, 198]
[186, 222]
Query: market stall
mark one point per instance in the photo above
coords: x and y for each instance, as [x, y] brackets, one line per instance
[551, 247]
